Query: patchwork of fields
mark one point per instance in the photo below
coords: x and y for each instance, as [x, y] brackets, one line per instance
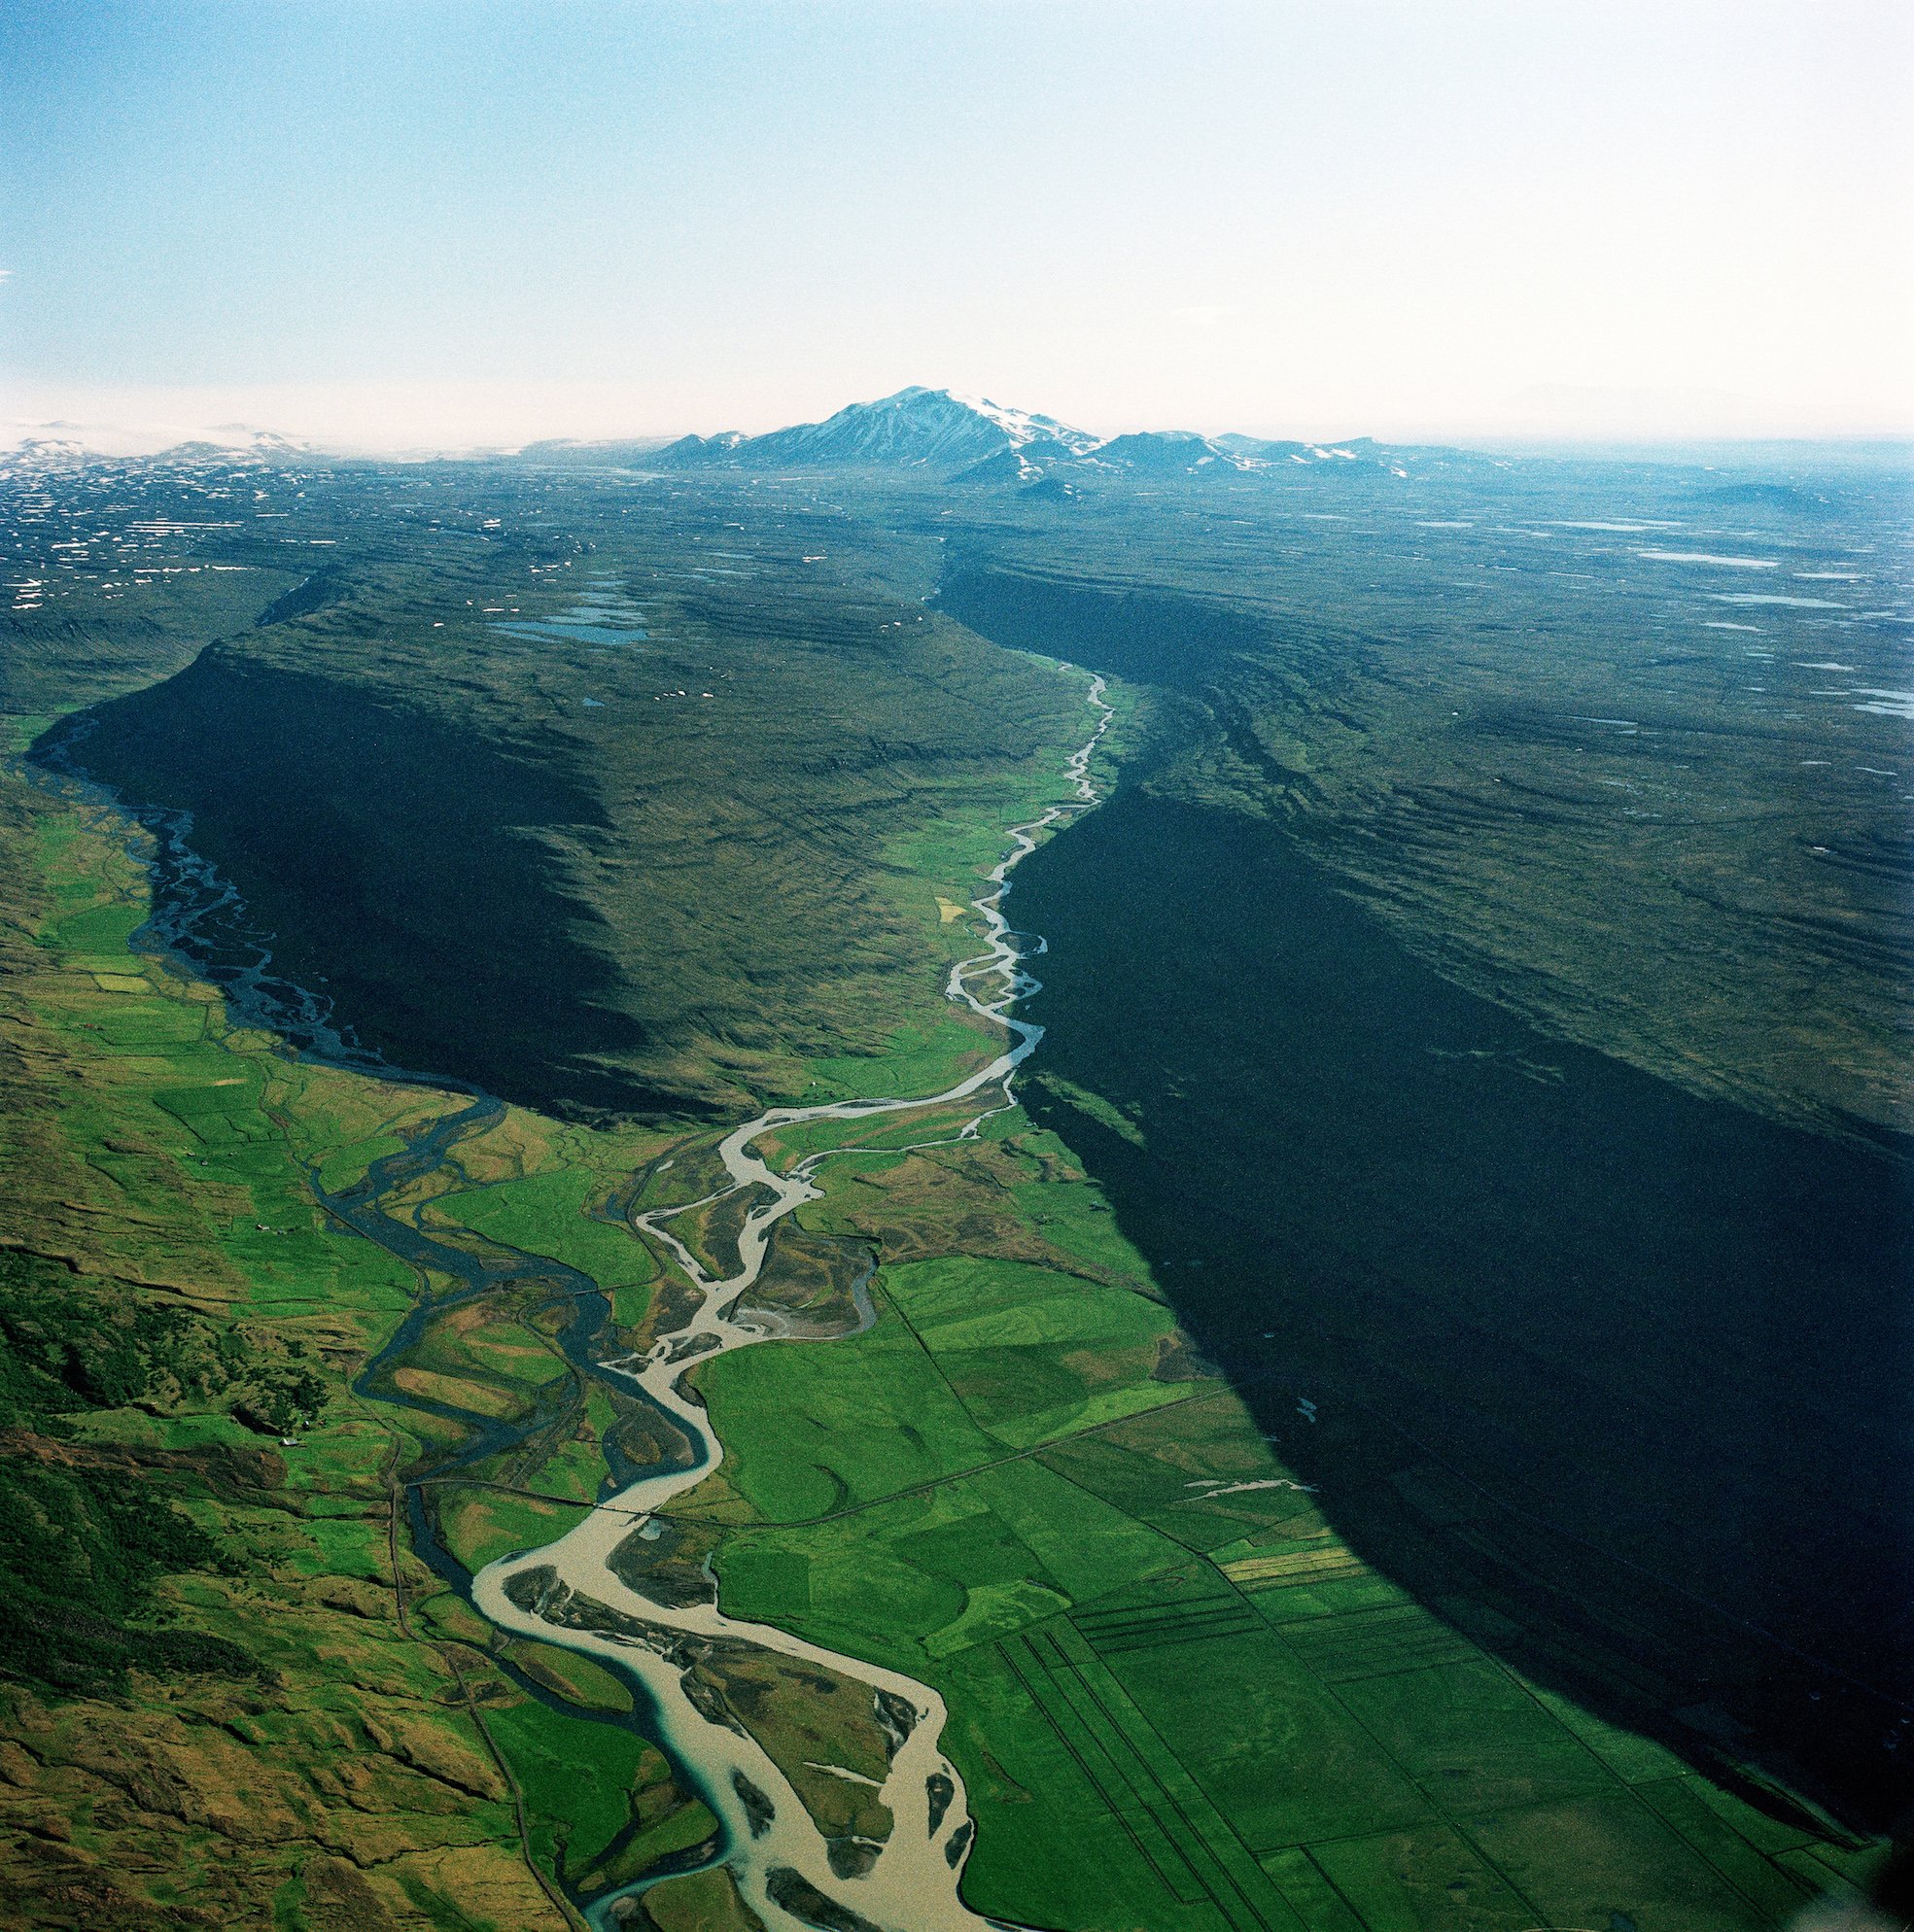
[1180, 1699]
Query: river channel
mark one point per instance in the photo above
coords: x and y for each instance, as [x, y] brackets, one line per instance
[569, 1592]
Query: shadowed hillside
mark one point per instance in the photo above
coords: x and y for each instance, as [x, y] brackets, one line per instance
[630, 862]
[1612, 1374]
[371, 836]
[1573, 766]
[1487, 1012]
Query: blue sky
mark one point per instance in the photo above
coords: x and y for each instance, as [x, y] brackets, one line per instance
[420, 222]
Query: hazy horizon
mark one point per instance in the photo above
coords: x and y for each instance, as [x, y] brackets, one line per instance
[127, 432]
[387, 226]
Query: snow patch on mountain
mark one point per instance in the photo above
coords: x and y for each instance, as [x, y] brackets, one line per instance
[59, 445]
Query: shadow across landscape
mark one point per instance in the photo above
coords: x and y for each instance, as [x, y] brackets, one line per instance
[394, 862]
[1613, 1376]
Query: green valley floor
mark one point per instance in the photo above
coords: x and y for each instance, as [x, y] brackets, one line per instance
[243, 1686]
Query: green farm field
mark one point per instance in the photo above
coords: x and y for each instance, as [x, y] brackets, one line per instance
[1178, 1695]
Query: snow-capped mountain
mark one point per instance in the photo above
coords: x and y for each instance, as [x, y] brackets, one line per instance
[691, 450]
[59, 445]
[1354, 456]
[941, 433]
[230, 445]
[1166, 453]
[971, 440]
[629, 453]
[49, 451]
[244, 436]
[917, 428]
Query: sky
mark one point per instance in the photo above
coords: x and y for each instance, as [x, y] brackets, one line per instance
[427, 224]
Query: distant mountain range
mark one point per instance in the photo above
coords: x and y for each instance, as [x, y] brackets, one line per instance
[49, 447]
[969, 439]
[956, 439]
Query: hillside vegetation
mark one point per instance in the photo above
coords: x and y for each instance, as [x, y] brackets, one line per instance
[1617, 748]
[636, 862]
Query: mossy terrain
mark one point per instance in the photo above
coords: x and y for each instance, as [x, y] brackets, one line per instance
[1618, 746]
